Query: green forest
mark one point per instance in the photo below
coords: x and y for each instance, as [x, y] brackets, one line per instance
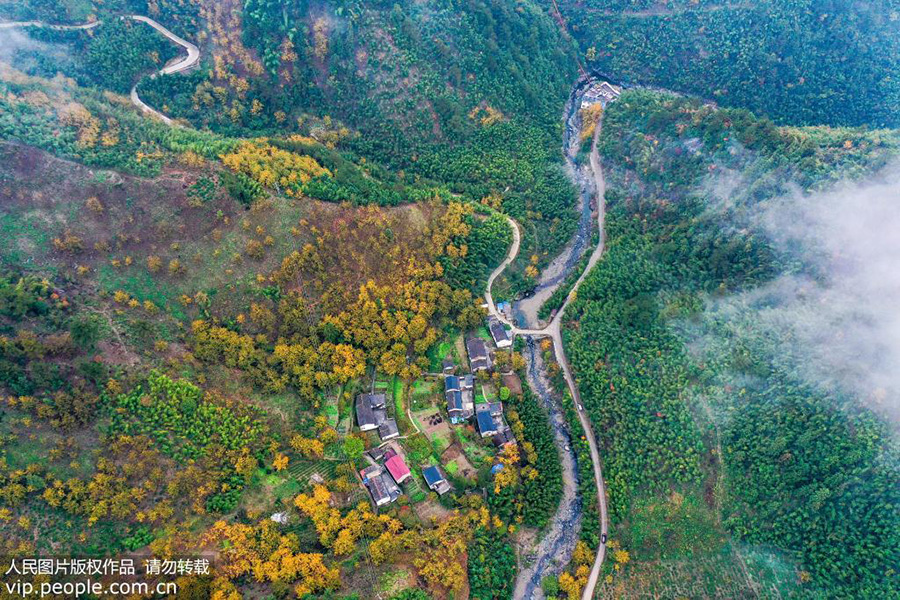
[783, 440]
[196, 305]
[800, 62]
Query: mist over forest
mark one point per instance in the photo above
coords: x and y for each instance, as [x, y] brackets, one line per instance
[832, 315]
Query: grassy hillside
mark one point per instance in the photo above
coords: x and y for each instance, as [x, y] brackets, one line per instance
[190, 315]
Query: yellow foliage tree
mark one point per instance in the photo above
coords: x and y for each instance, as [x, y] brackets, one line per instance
[274, 167]
[280, 462]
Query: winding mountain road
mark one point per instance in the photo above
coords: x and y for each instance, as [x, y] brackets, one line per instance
[553, 331]
[192, 58]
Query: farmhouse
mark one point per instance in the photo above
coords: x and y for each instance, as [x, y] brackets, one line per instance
[370, 411]
[376, 453]
[393, 462]
[388, 429]
[467, 383]
[455, 406]
[435, 480]
[479, 360]
[380, 485]
[487, 426]
[490, 421]
[499, 333]
[459, 392]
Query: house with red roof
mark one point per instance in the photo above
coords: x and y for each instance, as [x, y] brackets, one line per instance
[397, 468]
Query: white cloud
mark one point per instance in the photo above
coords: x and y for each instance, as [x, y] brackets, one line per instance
[839, 318]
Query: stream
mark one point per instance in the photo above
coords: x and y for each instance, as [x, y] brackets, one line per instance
[553, 552]
[525, 310]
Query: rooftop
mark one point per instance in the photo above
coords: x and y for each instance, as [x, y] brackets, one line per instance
[468, 382]
[376, 453]
[365, 416]
[379, 491]
[388, 429]
[498, 332]
[370, 411]
[486, 425]
[435, 480]
[397, 468]
[503, 438]
[375, 400]
[432, 475]
[369, 472]
[454, 400]
[478, 354]
[476, 348]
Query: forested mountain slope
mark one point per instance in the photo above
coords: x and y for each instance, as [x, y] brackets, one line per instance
[191, 314]
[466, 93]
[797, 61]
[718, 443]
[189, 333]
[188, 312]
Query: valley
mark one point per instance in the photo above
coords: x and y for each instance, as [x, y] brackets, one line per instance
[396, 301]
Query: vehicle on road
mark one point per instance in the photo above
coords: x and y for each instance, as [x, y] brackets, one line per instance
[603, 539]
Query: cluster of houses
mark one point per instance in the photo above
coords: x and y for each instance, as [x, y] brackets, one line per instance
[460, 394]
[477, 349]
[371, 413]
[388, 470]
[384, 476]
[459, 390]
